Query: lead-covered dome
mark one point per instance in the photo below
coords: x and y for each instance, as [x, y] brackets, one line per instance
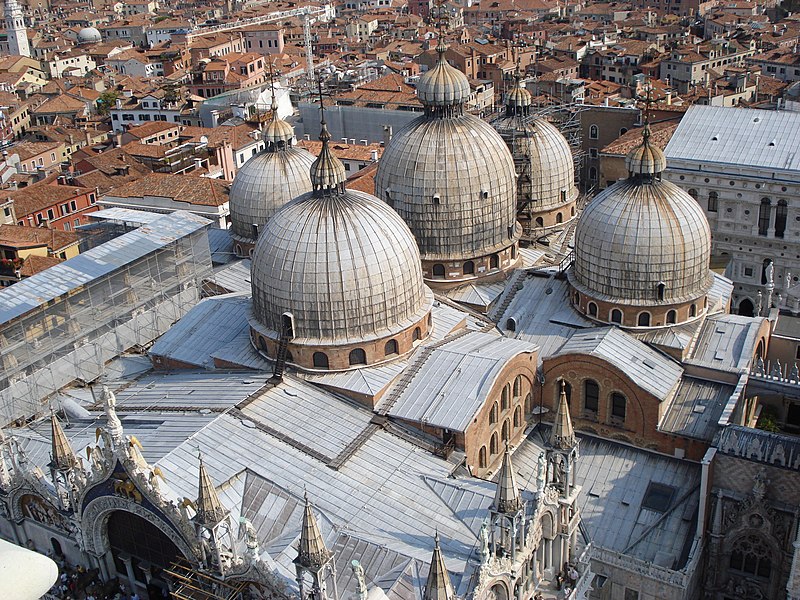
[89, 35]
[643, 241]
[266, 182]
[451, 178]
[344, 265]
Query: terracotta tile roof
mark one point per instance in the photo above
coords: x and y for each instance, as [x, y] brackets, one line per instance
[660, 134]
[19, 236]
[26, 150]
[364, 179]
[36, 264]
[61, 104]
[153, 127]
[39, 196]
[185, 188]
[343, 151]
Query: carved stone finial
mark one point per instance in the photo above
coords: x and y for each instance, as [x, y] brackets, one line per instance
[113, 424]
[760, 484]
[361, 580]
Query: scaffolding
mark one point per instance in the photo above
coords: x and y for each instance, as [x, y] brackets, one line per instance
[66, 322]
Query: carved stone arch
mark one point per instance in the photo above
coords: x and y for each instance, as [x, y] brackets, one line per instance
[498, 589]
[94, 525]
[15, 499]
[547, 522]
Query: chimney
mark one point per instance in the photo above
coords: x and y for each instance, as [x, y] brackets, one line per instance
[387, 134]
[373, 156]
[118, 139]
[669, 97]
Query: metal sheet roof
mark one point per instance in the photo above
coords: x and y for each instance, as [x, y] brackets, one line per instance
[221, 244]
[614, 479]
[765, 139]
[233, 277]
[212, 323]
[128, 215]
[696, 408]
[71, 274]
[204, 390]
[649, 369]
[538, 308]
[454, 380]
[726, 342]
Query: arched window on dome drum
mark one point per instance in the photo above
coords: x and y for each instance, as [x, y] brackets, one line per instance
[438, 270]
[693, 310]
[430, 319]
[539, 222]
[390, 348]
[693, 193]
[781, 212]
[559, 218]
[591, 395]
[494, 261]
[517, 386]
[238, 250]
[528, 403]
[493, 413]
[513, 252]
[713, 201]
[493, 445]
[504, 397]
[644, 319]
[660, 290]
[592, 309]
[482, 457]
[262, 344]
[517, 417]
[572, 212]
[320, 360]
[671, 317]
[593, 173]
[506, 430]
[358, 356]
[511, 324]
[469, 268]
[417, 334]
[763, 216]
[618, 406]
[616, 316]
[594, 132]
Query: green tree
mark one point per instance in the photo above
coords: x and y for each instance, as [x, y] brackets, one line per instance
[106, 101]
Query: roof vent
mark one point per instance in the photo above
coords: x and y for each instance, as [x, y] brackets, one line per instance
[715, 139]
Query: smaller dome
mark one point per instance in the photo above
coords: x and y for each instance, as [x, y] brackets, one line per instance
[519, 97]
[89, 35]
[443, 85]
[278, 132]
[646, 159]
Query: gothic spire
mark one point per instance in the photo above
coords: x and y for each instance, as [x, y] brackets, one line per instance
[438, 586]
[562, 435]
[62, 456]
[209, 508]
[507, 498]
[311, 552]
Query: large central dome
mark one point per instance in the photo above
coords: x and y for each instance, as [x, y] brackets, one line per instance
[347, 269]
[643, 242]
[451, 178]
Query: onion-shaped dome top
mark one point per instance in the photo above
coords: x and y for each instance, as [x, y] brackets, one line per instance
[646, 159]
[518, 97]
[278, 132]
[443, 85]
[643, 241]
[264, 184]
[341, 261]
[327, 172]
[89, 35]
[453, 182]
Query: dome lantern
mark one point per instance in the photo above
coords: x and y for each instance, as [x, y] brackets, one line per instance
[443, 90]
